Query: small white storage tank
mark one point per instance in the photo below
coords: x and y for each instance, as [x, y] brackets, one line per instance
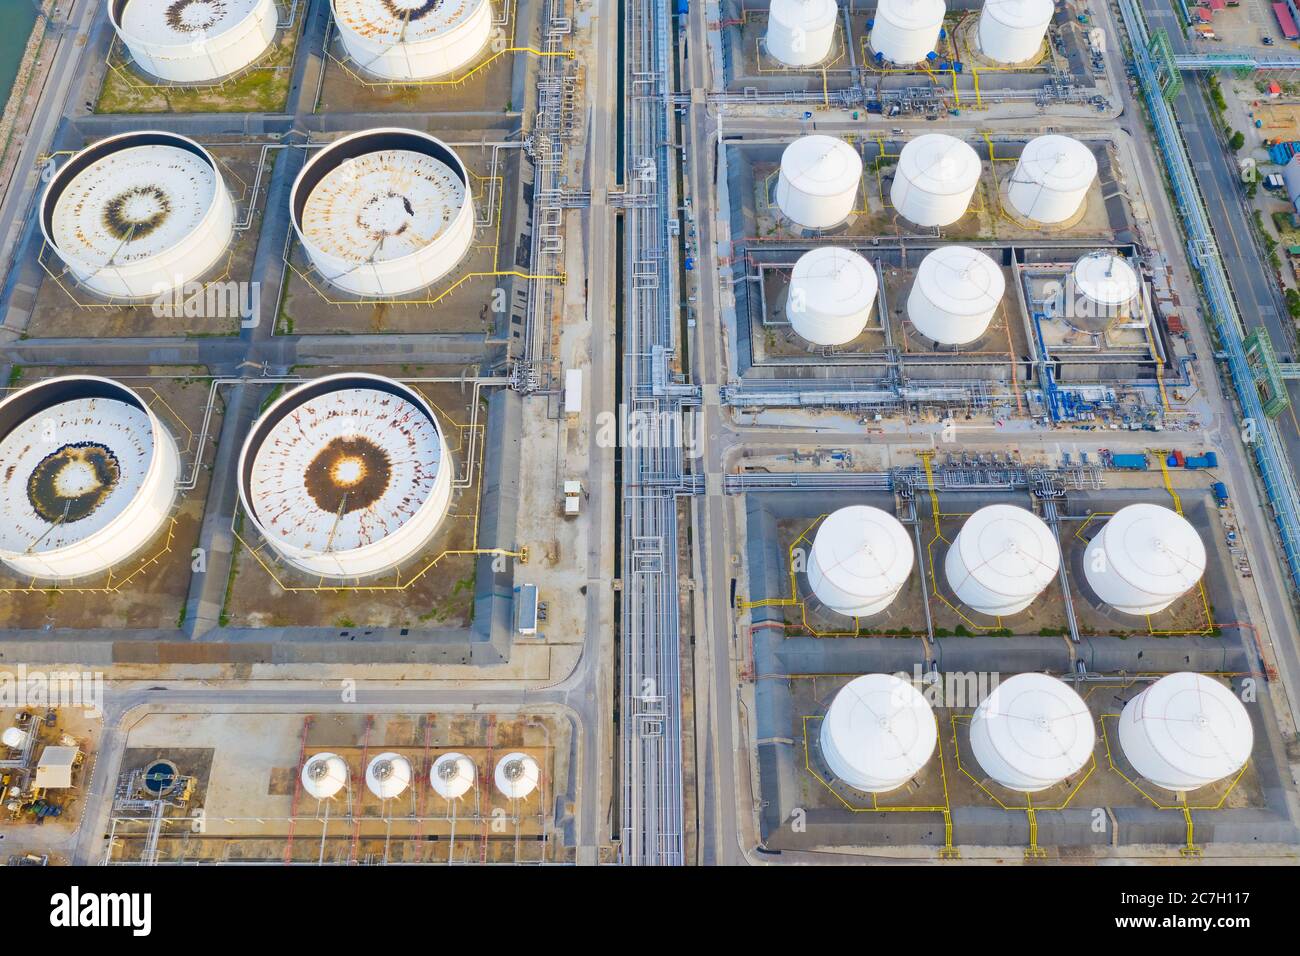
[1012, 31]
[818, 183]
[136, 215]
[1003, 558]
[452, 775]
[1144, 559]
[517, 775]
[904, 31]
[1106, 285]
[831, 295]
[878, 733]
[1032, 732]
[1052, 178]
[89, 476]
[955, 294]
[15, 738]
[194, 41]
[935, 180]
[388, 775]
[1186, 731]
[800, 32]
[324, 775]
[413, 39]
[347, 475]
[860, 559]
[384, 211]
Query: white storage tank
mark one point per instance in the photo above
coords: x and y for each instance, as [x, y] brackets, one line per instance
[1144, 559]
[89, 477]
[413, 39]
[1032, 732]
[878, 733]
[800, 32]
[955, 294]
[935, 180]
[1106, 287]
[860, 559]
[324, 775]
[138, 215]
[452, 775]
[384, 212]
[831, 295]
[818, 184]
[1012, 31]
[1186, 731]
[905, 31]
[1002, 559]
[1052, 178]
[194, 41]
[517, 775]
[15, 738]
[388, 775]
[346, 476]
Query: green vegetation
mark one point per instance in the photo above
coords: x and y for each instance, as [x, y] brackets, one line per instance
[1237, 140]
[15, 376]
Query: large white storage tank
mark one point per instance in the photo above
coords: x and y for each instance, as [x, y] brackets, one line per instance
[324, 775]
[89, 476]
[800, 32]
[194, 41]
[413, 39]
[818, 183]
[904, 31]
[388, 775]
[384, 211]
[1144, 559]
[831, 294]
[1012, 31]
[861, 557]
[517, 775]
[1106, 287]
[935, 180]
[346, 476]
[878, 733]
[137, 215]
[1032, 732]
[955, 294]
[452, 775]
[1002, 559]
[1186, 731]
[1052, 178]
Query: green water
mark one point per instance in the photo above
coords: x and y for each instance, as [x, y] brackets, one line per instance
[16, 20]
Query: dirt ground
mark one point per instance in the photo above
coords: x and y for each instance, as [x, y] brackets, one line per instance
[264, 87]
[56, 313]
[149, 589]
[434, 590]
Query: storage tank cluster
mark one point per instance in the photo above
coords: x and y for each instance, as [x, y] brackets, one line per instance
[1051, 180]
[383, 212]
[831, 295]
[955, 294]
[1012, 31]
[1003, 557]
[935, 180]
[413, 40]
[860, 559]
[1033, 731]
[1144, 559]
[817, 186]
[906, 31]
[346, 476]
[389, 775]
[183, 41]
[89, 479]
[138, 214]
[800, 32]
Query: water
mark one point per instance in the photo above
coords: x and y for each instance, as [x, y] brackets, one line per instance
[17, 17]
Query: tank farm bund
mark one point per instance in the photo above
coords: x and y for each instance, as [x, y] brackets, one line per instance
[187, 41]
